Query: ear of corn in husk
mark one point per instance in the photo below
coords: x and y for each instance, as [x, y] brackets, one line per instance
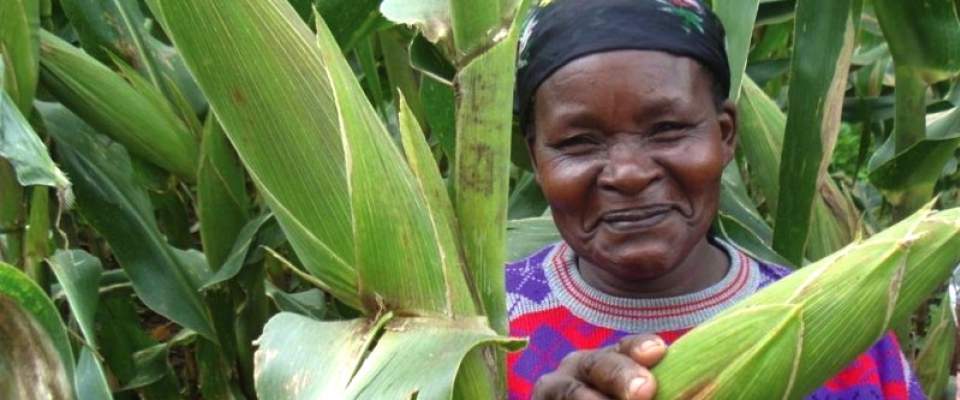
[789, 338]
[134, 114]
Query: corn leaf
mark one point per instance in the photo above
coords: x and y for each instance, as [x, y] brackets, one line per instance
[121, 212]
[882, 279]
[431, 17]
[933, 362]
[79, 275]
[19, 50]
[920, 166]
[524, 236]
[90, 378]
[222, 202]
[526, 199]
[21, 146]
[402, 224]
[135, 115]
[349, 20]
[834, 220]
[347, 233]
[35, 356]
[824, 44]
[122, 338]
[738, 17]
[924, 38]
[326, 356]
[234, 261]
[275, 102]
[114, 28]
[412, 356]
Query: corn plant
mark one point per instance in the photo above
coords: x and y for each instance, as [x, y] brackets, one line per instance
[314, 198]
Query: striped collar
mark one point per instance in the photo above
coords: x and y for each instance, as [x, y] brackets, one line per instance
[649, 314]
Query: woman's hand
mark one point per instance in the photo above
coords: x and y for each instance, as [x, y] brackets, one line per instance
[620, 371]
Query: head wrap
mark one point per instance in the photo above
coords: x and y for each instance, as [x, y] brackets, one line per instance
[560, 31]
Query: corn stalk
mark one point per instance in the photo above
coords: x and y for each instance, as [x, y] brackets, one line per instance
[925, 45]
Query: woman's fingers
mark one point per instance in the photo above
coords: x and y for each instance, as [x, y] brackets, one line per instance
[615, 372]
[646, 350]
[559, 386]
[616, 375]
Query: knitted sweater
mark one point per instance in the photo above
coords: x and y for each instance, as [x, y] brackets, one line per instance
[549, 303]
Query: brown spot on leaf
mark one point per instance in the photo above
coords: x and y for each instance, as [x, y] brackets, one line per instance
[238, 96]
[479, 173]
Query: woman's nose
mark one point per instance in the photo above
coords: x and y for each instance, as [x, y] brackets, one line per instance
[628, 170]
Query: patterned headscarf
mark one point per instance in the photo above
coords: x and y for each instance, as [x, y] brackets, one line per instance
[560, 31]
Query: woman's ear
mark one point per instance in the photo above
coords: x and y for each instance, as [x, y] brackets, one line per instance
[727, 118]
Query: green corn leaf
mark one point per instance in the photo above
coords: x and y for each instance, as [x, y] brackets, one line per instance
[917, 168]
[925, 37]
[122, 337]
[35, 356]
[234, 261]
[834, 219]
[121, 212]
[438, 104]
[19, 50]
[347, 233]
[222, 202]
[442, 220]
[824, 44]
[524, 236]
[114, 28]
[738, 18]
[79, 275]
[409, 227]
[135, 115]
[812, 335]
[309, 303]
[349, 20]
[21, 146]
[275, 102]
[91, 380]
[526, 200]
[413, 356]
[432, 17]
[933, 362]
[396, 60]
[739, 221]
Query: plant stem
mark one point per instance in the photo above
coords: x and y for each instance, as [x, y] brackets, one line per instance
[36, 246]
[473, 23]
[11, 215]
[909, 128]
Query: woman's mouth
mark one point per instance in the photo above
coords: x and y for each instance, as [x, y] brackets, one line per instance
[633, 219]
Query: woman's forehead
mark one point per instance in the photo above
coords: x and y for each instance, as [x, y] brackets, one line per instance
[649, 79]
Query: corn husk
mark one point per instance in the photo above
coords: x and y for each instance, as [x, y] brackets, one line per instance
[789, 338]
[129, 111]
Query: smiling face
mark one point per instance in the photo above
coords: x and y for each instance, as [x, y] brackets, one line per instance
[629, 147]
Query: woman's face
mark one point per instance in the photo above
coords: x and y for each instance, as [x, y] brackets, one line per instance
[629, 148]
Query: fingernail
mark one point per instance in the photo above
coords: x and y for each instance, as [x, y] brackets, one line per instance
[636, 384]
[651, 344]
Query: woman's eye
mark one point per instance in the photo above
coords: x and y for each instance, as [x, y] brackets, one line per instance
[668, 131]
[577, 143]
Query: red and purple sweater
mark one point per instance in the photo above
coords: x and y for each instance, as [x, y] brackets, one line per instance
[549, 303]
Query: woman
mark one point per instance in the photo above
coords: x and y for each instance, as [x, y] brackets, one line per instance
[623, 105]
